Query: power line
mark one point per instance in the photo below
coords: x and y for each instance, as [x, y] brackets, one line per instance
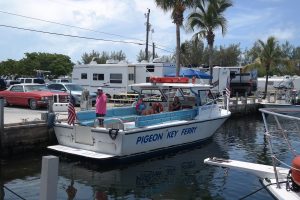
[67, 35]
[163, 49]
[77, 36]
[71, 26]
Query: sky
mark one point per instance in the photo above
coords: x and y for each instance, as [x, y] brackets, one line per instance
[124, 20]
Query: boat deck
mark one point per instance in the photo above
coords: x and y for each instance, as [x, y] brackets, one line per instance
[280, 193]
[80, 152]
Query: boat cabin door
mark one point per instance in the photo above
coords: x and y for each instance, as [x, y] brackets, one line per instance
[83, 135]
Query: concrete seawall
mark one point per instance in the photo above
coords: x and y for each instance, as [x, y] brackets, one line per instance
[18, 138]
[244, 109]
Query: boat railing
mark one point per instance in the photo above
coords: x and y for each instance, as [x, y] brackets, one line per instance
[274, 112]
[278, 129]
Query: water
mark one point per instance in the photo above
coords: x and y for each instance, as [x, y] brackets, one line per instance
[179, 175]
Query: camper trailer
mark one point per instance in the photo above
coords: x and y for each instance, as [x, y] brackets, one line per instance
[242, 82]
[234, 78]
[115, 77]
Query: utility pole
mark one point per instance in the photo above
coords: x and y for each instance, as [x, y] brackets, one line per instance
[153, 50]
[147, 33]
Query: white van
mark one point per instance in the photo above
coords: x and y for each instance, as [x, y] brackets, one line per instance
[60, 81]
[31, 80]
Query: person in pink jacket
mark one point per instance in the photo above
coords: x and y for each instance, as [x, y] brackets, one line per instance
[101, 105]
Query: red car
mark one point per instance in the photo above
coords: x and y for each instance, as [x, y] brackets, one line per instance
[32, 95]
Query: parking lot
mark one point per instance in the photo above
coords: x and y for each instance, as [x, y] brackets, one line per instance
[17, 114]
[21, 114]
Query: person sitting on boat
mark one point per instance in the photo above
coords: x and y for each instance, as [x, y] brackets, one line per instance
[157, 107]
[176, 105]
[140, 106]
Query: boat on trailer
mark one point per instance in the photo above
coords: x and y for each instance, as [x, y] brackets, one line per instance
[281, 182]
[126, 134]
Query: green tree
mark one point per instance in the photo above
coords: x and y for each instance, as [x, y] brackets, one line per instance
[142, 55]
[287, 50]
[191, 53]
[177, 7]
[57, 64]
[269, 54]
[102, 57]
[227, 56]
[88, 57]
[9, 68]
[117, 55]
[207, 17]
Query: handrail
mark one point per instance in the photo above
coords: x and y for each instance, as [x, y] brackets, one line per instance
[271, 111]
[274, 112]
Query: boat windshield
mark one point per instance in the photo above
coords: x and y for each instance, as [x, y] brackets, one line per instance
[206, 97]
[151, 95]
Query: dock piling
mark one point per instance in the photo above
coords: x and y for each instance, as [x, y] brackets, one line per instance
[49, 178]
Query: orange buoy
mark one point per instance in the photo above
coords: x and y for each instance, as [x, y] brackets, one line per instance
[296, 170]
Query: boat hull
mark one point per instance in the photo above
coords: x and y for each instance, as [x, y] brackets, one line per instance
[135, 142]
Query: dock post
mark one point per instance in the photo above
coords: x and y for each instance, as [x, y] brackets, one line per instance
[246, 99]
[1, 114]
[237, 100]
[268, 97]
[50, 106]
[1, 123]
[49, 178]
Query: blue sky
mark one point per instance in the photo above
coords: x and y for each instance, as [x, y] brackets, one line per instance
[248, 21]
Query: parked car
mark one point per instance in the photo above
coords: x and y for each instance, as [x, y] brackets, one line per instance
[2, 84]
[60, 81]
[74, 89]
[32, 95]
[31, 80]
[11, 82]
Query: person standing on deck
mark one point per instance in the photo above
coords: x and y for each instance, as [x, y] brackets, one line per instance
[101, 105]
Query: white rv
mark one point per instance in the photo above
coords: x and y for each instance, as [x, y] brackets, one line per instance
[115, 77]
[279, 82]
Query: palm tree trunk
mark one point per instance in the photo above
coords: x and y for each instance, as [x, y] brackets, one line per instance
[267, 80]
[177, 49]
[210, 63]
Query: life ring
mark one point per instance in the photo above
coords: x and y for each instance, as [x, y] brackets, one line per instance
[157, 107]
[113, 133]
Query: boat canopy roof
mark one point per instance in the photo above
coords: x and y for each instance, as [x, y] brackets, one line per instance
[143, 86]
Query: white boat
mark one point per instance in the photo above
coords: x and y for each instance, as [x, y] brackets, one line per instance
[283, 108]
[281, 182]
[126, 134]
[284, 101]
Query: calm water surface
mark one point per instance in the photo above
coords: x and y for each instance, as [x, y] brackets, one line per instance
[179, 175]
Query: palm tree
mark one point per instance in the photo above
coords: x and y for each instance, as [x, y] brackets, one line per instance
[177, 7]
[269, 54]
[207, 17]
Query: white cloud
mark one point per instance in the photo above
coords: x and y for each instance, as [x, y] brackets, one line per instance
[247, 22]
